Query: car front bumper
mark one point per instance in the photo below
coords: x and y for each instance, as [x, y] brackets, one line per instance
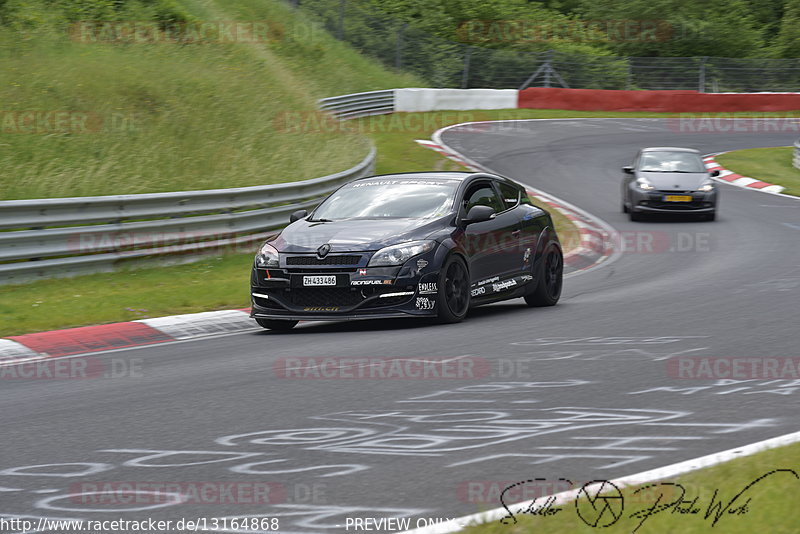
[358, 293]
[655, 201]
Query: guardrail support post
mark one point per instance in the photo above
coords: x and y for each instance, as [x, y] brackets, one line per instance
[398, 51]
[701, 82]
[340, 29]
[465, 72]
[796, 158]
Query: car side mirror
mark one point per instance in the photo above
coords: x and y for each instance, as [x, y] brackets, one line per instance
[627, 169]
[478, 214]
[714, 174]
[299, 214]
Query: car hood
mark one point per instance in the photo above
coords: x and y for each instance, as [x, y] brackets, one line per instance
[676, 181]
[352, 235]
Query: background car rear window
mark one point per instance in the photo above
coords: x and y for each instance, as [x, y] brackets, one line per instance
[482, 195]
[390, 199]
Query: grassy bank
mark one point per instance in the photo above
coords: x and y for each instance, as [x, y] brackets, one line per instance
[771, 505]
[211, 284]
[163, 116]
[773, 165]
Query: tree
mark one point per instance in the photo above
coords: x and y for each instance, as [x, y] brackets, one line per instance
[688, 28]
[787, 43]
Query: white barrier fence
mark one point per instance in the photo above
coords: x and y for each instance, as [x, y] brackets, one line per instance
[454, 99]
[412, 99]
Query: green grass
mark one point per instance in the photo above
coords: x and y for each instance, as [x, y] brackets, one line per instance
[211, 284]
[773, 507]
[773, 165]
[165, 117]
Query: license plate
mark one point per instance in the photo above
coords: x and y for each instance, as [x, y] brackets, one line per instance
[319, 280]
[678, 198]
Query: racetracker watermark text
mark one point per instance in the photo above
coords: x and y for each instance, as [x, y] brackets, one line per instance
[72, 369]
[48, 122]
[195, 32]
[727, 123]
[710, 368]
[588, 31]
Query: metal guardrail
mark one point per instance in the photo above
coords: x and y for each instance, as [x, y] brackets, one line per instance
[796, 158]
[67, 236]
[359, 104]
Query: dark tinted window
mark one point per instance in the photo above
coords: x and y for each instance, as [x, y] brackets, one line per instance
[390, 198]
[482, 195]
[510, 195]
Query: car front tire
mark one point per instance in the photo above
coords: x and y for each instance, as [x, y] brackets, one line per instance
[452, 299]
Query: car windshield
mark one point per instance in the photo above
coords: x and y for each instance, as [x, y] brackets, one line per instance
[389, 198]
[671, 162]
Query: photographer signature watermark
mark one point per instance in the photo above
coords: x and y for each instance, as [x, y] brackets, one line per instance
[601, 503]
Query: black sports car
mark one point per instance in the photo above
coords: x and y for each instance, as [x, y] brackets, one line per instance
[427, 244]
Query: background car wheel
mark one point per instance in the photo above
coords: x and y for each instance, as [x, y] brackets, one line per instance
[453, 297]
[634, 216]
[624, 207]
[711, 216]
[276, 324]
[551, 277]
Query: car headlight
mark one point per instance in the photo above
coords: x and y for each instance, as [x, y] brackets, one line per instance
[644, 186]
[267, 256]
[706, 187]
[399, 254]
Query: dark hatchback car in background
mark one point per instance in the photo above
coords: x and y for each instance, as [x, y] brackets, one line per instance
[668, 180]
[405, 245]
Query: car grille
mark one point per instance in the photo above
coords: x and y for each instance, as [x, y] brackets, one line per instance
[677, 206]
[309, 270]
[323, 296]
[327, 260]
[343, 297]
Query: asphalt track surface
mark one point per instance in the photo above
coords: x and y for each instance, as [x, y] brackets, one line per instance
[581, 391]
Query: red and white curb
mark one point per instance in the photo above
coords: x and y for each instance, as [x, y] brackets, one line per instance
[597, 238]
[661, 473]
[89, 339]
[738, 180]
[444, 152]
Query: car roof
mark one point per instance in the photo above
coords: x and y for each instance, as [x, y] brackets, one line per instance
[443, 175]
[669, 149]
[446, 175]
